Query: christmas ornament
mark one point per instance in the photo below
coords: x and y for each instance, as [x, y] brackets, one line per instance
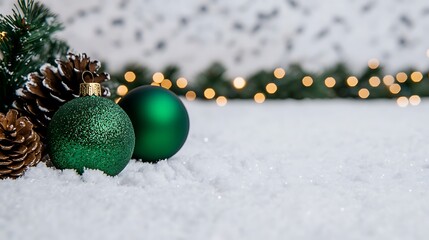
[91, 132]
[19, 144]
[42, 95]
[160, 121]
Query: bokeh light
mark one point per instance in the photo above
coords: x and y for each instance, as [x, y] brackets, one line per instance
[363, 93]
[416, 76]
[279, 73]
[401, 77]
[271, 88]
[209, 93]
[190, 95]
[402, 101]
[374, 81]
[415, 100]
[330, 82]
[307, 81]
[181, 82]
[373, 63]
[158, 77]
[239, 83]
[221, 101]
[352, 81]
[130, 76]
[259, 97]
[122, 90]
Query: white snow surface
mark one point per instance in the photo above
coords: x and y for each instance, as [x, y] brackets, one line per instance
[246, 35]
[280, 170]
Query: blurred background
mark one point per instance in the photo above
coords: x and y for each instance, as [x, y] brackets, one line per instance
[249, 49]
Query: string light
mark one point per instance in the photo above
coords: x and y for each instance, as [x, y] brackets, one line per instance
[271, 88]
[374, 81]
[415, 100]
[221, 101]
[239, 83]
[130, 76]
[388, 80]
[190, 95]
[402, 101]
[416, 76]
[279, 73]
[166, 83]
[181, 82]
[363, 93]
[401, 77]
[259, 98]
[122, 90]
[395, 88]
[209, 93]
[330, 82]
[307, 81]
[352, 81]
[373, 63]
[158, 77]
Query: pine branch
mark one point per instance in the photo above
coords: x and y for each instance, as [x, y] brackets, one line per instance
[28, 44]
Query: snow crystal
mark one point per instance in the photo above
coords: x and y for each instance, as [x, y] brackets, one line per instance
[278, 170]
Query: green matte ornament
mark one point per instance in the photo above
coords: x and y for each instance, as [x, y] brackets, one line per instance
[160, 120]
[91, 132]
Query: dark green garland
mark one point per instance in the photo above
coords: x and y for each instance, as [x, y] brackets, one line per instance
[290, 86]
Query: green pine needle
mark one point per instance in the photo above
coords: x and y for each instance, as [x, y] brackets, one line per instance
[27, 45]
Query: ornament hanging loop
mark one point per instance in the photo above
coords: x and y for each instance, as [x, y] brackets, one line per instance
[89, 89]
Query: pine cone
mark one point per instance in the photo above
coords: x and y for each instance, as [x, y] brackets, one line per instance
[19, 144]
[43, 94]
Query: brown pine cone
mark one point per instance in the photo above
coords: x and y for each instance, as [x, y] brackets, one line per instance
[19, 144]
[43, 94]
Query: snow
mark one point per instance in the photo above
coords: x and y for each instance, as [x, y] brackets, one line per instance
[312, 169]
[247, 35]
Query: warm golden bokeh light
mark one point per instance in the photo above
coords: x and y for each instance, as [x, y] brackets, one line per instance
[402, 101]
[388, 80]
[363, 93]
[415, 100]
[221, 101]
[209, 93]
[166, 83]
[130, 76]
[279, 73]
[307, 81]
[190, 95]
[118, 99]
[155, 84]
[401, 77]
[373, 63]
[416, 76]
[395, 88]
[330, 82]
[374, 81]
[158, 77]
[259, 97]
[352, 81]
[122, 90]
[239, 83]
[181, 82]
[271, 88]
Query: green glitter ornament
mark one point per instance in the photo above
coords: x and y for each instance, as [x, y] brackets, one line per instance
[91, 132]
[160, 120]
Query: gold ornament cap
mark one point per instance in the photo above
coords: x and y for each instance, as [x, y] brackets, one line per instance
[89, 89]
